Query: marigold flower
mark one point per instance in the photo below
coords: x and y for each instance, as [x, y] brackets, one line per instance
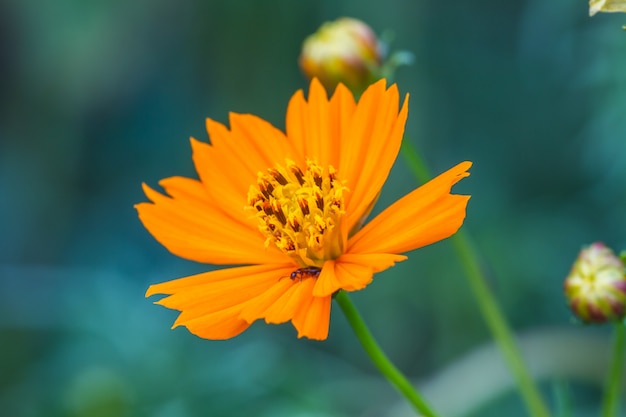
[596, 6]
[343, 51]
[596, 286]
[291, 208]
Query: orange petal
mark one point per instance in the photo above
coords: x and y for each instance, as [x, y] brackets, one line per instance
[424, 216]
[376, 261]
[255, 136]
[200, 232]
[251, 144]
[328, 281]
[181, 188]
[263, 302]
[311, 125]
[317, 126]
[313, 319]
[230, 191]
[347, 273]
[292, 300]
[219, 325]
[369, 151]
[295, 122]
[229, 166]
[211, 303]
[342, 106]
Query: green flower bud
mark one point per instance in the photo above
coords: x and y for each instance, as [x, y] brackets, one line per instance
[596, 286]
[347, 51]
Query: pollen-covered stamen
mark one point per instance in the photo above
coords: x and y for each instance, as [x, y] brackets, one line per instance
[294, 224]
[319, 200]
[300, 211]
[278, 212]
[298, 174]
[304, 206]
[277, 176]
[266, 207]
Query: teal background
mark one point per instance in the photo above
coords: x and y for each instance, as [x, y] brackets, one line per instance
[98, 97]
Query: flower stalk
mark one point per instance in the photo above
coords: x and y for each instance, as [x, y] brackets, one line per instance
[378, 357]
[610, 402]
[486, 301]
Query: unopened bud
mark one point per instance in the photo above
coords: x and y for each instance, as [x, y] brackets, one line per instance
[596, 286]
[596, 6]
[347, 51]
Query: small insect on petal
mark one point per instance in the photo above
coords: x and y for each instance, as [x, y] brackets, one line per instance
[307, 272]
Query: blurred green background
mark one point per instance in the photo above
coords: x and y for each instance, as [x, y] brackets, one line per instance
[97, 97]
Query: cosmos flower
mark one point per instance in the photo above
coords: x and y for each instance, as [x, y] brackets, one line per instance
[289, 210]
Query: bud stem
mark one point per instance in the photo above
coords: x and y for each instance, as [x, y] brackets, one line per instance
[613, 383]
[379, 358]
[486, 301]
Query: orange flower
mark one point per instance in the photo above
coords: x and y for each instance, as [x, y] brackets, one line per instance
[291, 208]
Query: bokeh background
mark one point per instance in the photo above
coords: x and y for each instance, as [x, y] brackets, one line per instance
[97, 97]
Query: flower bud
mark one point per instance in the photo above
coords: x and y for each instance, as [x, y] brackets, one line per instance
[346, 51]
[596, 6]
[596, 286]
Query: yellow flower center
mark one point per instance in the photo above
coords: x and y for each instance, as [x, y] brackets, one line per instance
[300, 212]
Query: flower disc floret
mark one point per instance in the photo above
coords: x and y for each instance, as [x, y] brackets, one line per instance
[300, 211]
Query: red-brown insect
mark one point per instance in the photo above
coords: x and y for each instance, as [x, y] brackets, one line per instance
[306, 272]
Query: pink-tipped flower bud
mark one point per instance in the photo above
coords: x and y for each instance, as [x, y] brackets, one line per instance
[347, 51]
[596, 286]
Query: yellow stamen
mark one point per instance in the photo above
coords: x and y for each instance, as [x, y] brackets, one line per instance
[300, 212]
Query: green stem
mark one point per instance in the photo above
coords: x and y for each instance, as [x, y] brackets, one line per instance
[499, 327]
[415, 161]
[613, 382]
[379, 358]
[486, 301]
